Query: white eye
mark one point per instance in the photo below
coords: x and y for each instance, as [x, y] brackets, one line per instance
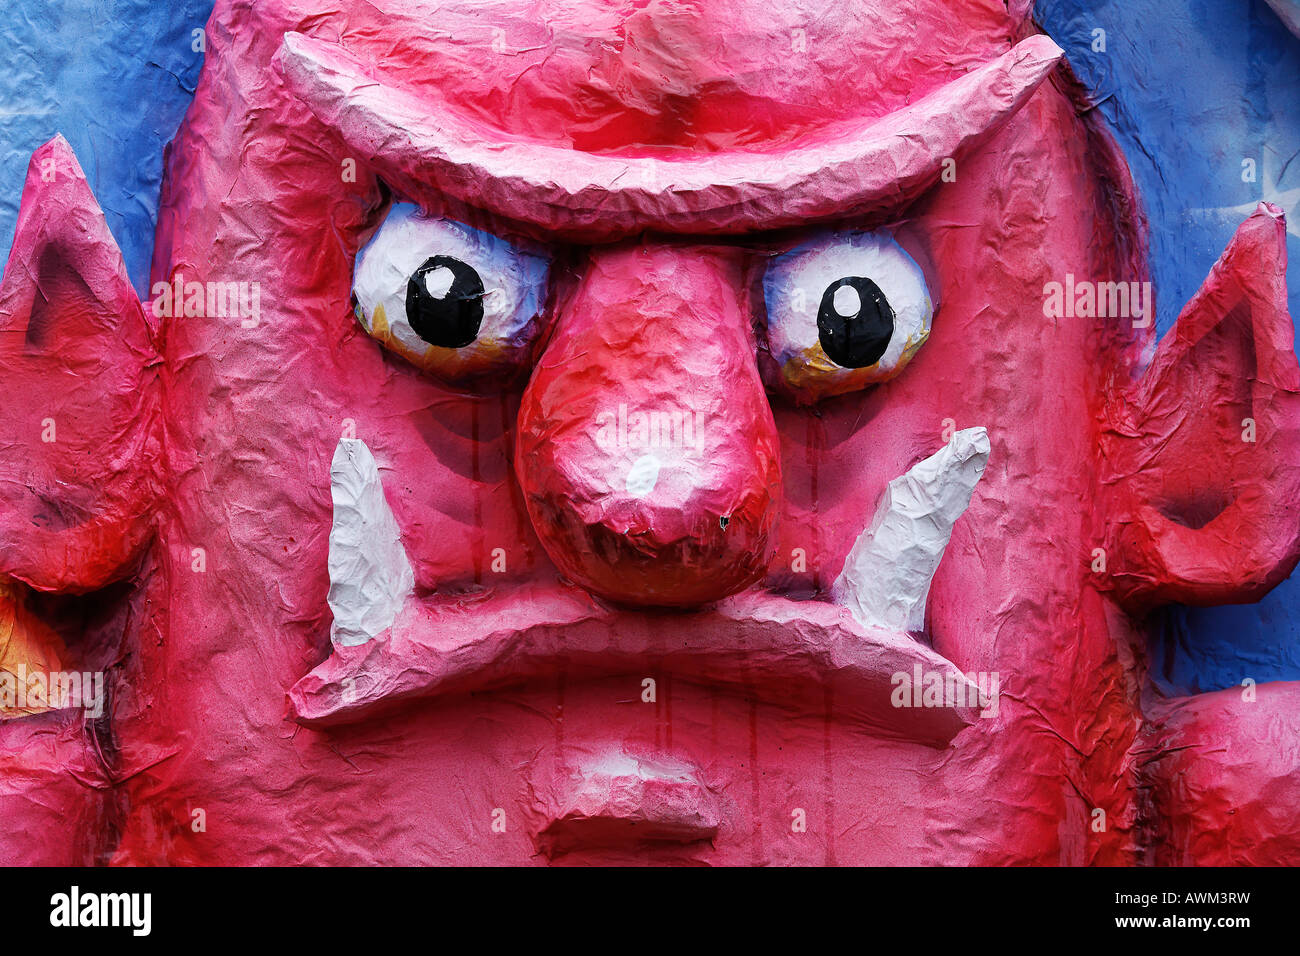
[450, 299]
[844, 311]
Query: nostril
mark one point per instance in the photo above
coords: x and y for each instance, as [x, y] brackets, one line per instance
[664, 548]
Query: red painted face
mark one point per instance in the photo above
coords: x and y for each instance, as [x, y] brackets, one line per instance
[642, 436]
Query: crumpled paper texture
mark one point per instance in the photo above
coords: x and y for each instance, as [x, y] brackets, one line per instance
[525, 689]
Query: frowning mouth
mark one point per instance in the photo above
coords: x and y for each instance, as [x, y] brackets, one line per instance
[393, 647]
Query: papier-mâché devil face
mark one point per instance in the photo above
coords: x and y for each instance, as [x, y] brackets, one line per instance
[642, 432]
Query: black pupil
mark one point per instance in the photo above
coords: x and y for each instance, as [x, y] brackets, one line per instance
[449, 316]
[859, 339]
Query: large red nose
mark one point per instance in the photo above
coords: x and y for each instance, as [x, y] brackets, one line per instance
[646, 451]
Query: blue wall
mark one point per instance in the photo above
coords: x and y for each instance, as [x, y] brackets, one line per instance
[114, 77]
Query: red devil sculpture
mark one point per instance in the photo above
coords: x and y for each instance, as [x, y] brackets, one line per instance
[634, 432]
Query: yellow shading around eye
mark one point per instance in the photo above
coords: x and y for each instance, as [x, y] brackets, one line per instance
[483, 349]
[380, 330]
[812, 370]
[483, 356]
[27, 647]
[913, 343]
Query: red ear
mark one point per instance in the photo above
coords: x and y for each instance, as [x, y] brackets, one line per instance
[1202, 502]
[79, 438]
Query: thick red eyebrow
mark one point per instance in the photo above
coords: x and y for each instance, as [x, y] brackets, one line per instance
[854, 168]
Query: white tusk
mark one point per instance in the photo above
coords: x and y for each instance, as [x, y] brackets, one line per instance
[370, 574]
[886, 577]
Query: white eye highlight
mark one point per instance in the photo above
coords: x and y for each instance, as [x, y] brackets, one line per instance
[438, 282]
[451, 299]
[845, 310]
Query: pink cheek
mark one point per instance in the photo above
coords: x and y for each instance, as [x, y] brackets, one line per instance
[647, 451]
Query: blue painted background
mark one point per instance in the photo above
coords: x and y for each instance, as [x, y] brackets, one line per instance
[1189, 87]
[114, 77]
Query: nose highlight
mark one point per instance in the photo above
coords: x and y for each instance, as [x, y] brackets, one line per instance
[646, 448]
